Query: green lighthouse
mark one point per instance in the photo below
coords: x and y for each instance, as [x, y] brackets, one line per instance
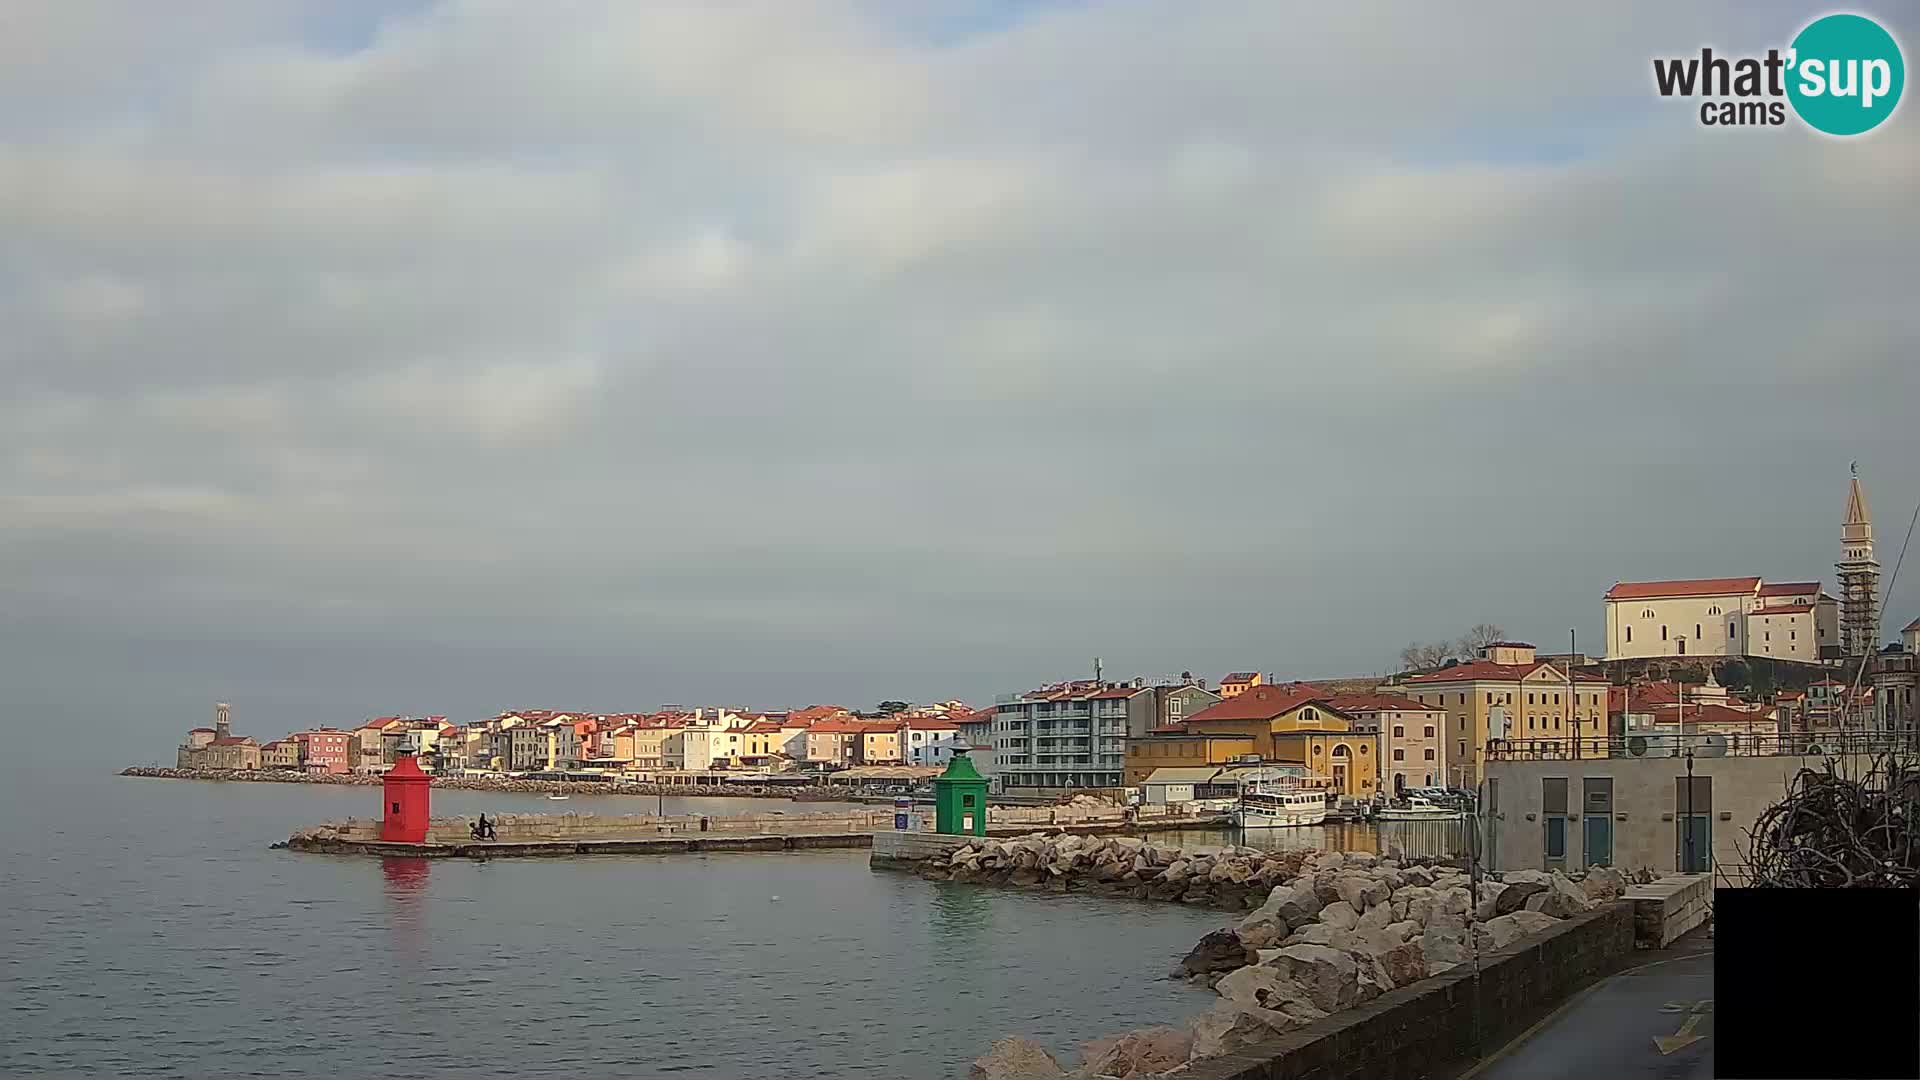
[960, 799]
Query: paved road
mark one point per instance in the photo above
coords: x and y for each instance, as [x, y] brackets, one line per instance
[1653, 1021]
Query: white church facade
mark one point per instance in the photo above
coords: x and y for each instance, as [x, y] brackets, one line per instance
[1750, 617]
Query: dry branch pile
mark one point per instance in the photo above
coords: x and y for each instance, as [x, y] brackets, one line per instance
[1835, 831]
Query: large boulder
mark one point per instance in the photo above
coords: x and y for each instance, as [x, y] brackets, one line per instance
[1297, 903]
[1507, 929]
[1226, 1027]
[1405, 930]
[1146, 1052]
[1234, 871]
[1261, 929]
[1516, 894]
[1340, 915]
[1361, 890]
[1604, 883]
[1329, 976]
[1371, 976]
[1270, 995]
[1363, 859]
[1489, 900]
[1415, 902]
[1014, 1058]
[1405, 963]
[1221, 950]
[1324, 934]
[1443, 947]
[1564, 899]
[1374, 919]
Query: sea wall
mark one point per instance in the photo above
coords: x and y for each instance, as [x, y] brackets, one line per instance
[821, 793]
[1665, 909]
[1444, 1023]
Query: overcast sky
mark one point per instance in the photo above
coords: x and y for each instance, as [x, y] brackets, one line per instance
[446, 357]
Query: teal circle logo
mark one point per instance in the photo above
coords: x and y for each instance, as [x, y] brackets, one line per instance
[1845, 74]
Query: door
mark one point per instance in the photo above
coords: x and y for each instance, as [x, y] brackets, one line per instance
[1696, 843]
[1599, 839]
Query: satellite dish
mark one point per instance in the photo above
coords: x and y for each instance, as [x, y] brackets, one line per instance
[1637, 746]
[1713, 745]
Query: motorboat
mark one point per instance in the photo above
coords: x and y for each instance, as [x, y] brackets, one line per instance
[1272, 807]
[1419, 809]
[559, 798]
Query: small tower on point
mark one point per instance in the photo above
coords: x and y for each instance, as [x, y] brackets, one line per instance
[1859, 574]
[222, 723]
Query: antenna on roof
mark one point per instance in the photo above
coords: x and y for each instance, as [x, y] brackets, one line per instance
[1096, 669]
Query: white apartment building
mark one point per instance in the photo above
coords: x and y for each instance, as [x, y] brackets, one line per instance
[1741, 616]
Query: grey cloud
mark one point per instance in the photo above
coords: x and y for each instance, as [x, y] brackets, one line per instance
[760, 354]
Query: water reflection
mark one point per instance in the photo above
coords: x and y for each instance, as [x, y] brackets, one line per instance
[962, 914]
[1435, 839]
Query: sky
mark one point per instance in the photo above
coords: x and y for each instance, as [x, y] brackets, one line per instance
[446, 357]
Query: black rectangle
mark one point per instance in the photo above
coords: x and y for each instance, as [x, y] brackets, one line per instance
[1816, 982]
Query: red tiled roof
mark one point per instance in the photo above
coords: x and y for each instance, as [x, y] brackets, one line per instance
[1379, 703]
[1240, 676]
[763, 727]
[200, 730]
[1259, 703]
[932, 723]
[1782, 609]
[1117, 692]
[1789, 588]
[1653, 590]
[1487, 669]
[1509, 645]
[232, 740]
[837, 726]
[1706, 714]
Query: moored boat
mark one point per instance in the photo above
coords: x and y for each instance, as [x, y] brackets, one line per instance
[1270, 807]
[1419, 809]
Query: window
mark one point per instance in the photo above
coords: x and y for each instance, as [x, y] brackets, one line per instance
[1646, 613]
[1556, 699]
[1766, 635]
[1463, 749]
[1400, 731]
[1714, 610]
[1429, 753]
[1629, 633]
[1529, 699]
[1663, 633]
[1401, 755]
[1340, 750]
[1429, 731]
[1696, 631]
[1306, 714]
[1529, 723]
[1733, 630]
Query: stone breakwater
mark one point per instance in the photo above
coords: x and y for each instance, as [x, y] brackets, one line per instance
[1329, 932]
[1234, 878]
[829, 792]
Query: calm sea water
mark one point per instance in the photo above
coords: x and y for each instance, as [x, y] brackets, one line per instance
[147, 930]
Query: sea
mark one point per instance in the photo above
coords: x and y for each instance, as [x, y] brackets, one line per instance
[150, 929]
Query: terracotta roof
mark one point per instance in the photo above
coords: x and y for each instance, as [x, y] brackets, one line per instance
[1118, 692]
[1707, 714]
[233, 740]
[1488, 670]
[1259, 703]
[1379, 703]
[1911, 627]
[1509, 645]
[1240, 676]
[1654, 590]
[932, 723]
[837, 726]
[763, 727]
[200, 730]
[1789, 588]
[1782, 609]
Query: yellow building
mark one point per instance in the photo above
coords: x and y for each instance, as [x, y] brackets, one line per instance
[1177, 748]
[280, 754]
[1296, 725]
[1238, 683]
[1507, 694]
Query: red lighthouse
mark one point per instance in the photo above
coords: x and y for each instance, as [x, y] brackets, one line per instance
[405, 817]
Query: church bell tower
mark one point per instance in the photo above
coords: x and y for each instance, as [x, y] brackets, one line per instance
[1859, 576]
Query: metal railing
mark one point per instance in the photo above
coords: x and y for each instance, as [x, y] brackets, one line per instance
[1769, 743]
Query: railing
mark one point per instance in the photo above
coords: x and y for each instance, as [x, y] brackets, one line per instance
[1818, 744]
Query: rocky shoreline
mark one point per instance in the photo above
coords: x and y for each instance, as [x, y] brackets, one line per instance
[1327, 931]
[523, 787]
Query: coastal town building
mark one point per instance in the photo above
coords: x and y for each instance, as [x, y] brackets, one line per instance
[1238, 683]
[1296, 724]
[324, 751]
[1506, 695]
[1413, 748]
[1896, 675]
[280, 754]
[218, 747]
[929, 740]
[1074, 734]
[1740, 616]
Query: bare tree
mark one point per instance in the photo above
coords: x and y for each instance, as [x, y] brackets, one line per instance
[1476, 638]
[1420, 656]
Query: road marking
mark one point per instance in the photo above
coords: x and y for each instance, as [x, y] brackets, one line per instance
[1680, 1040]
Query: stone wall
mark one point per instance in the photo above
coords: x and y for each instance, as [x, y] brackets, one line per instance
[1444, 1023]
[1665, 909]
[536, 828]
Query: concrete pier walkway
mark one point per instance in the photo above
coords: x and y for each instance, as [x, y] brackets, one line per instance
[663, 845]
[1652, 1020]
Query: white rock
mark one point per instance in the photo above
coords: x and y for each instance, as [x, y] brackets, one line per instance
[1340, 915]
[1329, 976]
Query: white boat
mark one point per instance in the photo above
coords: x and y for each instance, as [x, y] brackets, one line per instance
[1418, 809]
[1263, 807]
[559, 798]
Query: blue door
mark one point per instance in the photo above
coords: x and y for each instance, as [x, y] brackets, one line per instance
[1696, 843]
[1599, 839]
